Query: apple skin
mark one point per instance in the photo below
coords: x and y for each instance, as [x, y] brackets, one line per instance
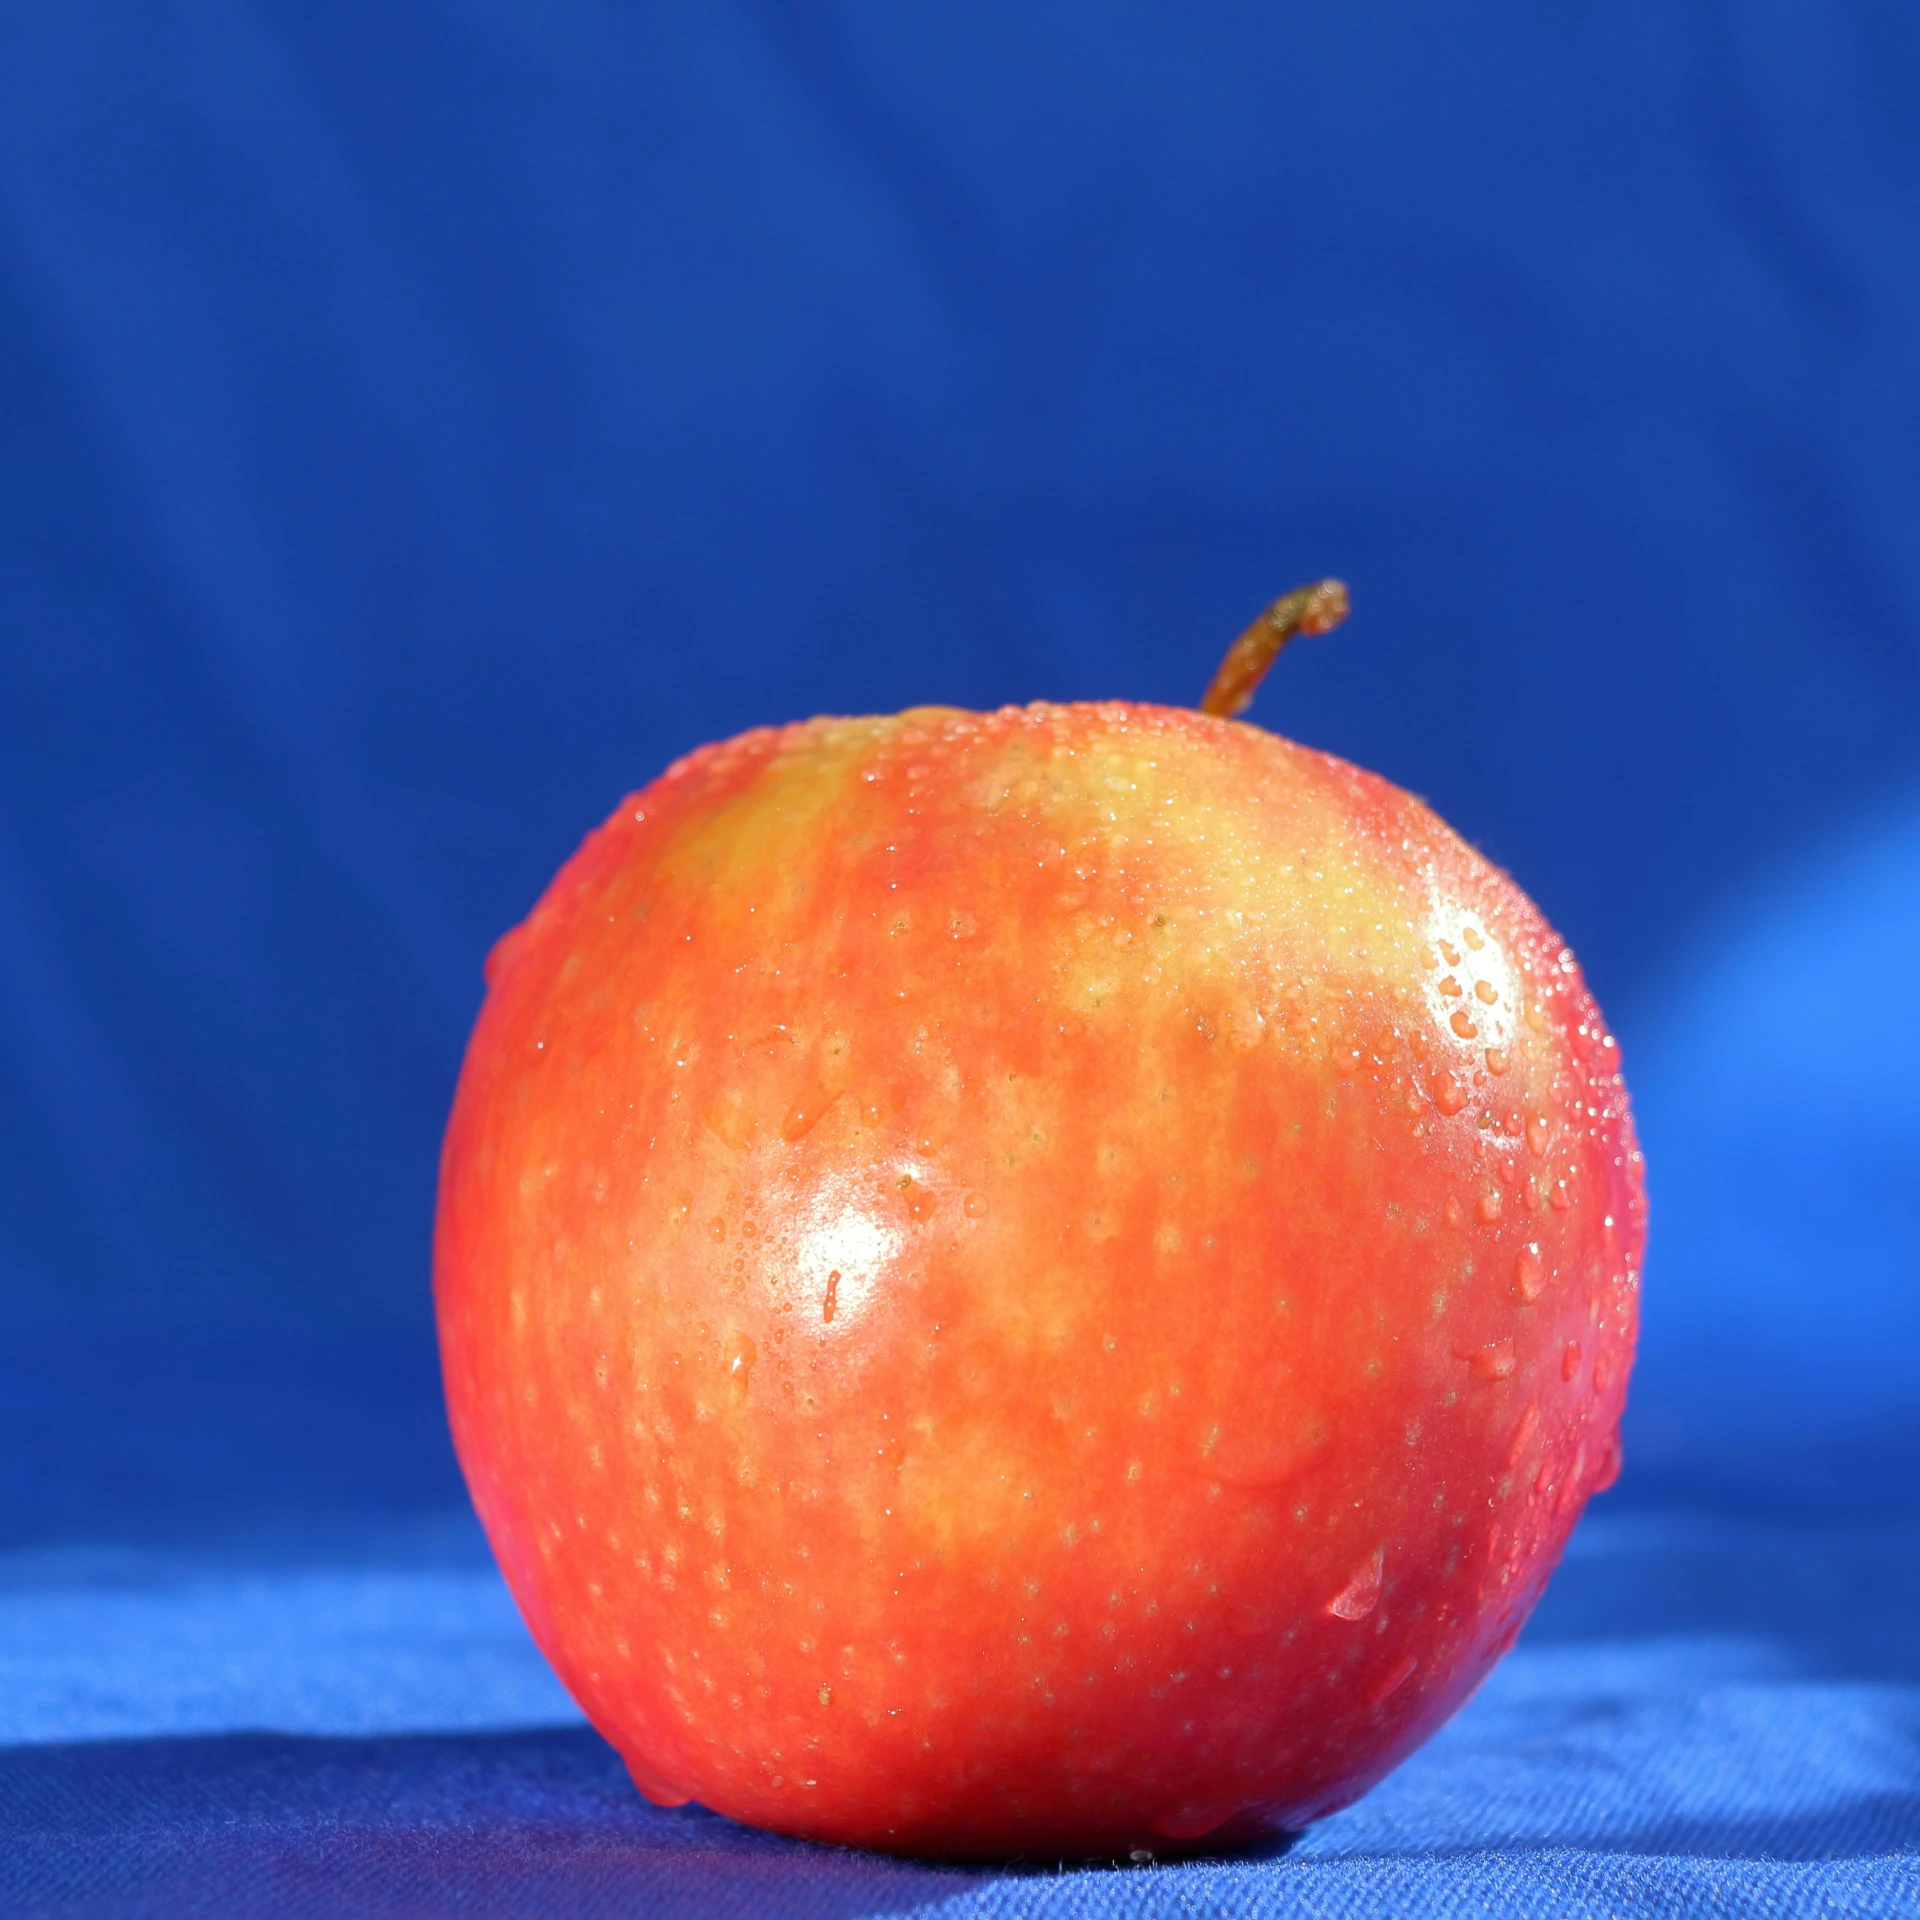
[1032, 1284]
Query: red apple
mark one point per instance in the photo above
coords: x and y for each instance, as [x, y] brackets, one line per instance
[1046, 1282]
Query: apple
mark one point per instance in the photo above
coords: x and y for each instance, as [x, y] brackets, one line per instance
[1040, 1283]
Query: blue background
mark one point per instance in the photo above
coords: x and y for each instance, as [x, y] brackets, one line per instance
[419, 424]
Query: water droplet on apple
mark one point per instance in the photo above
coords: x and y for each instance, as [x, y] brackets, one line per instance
[1462, 1024]
[975, 1206]
[1529, 1275]
[1602, 1371]
[1537, 1135]
[1485, 992]
[1390, 1682]
[737, 1362]
[1361, 1594]
[1574, 1486]
[1495, 1361]
[831, 1300]
[1523, 1433]
[804, 1115]
[1496, 1059]
[1570, 1360]
[1487, 1208]
[1608, 1469]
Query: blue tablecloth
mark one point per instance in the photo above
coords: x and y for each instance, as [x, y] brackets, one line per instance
[1707, 1716]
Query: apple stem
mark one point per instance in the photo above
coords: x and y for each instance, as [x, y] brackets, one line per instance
[1318, 608]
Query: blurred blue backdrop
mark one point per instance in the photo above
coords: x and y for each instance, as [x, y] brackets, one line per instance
[421, 423]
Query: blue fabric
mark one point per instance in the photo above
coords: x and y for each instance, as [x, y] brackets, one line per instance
[1780, 1355]
[421, 424]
